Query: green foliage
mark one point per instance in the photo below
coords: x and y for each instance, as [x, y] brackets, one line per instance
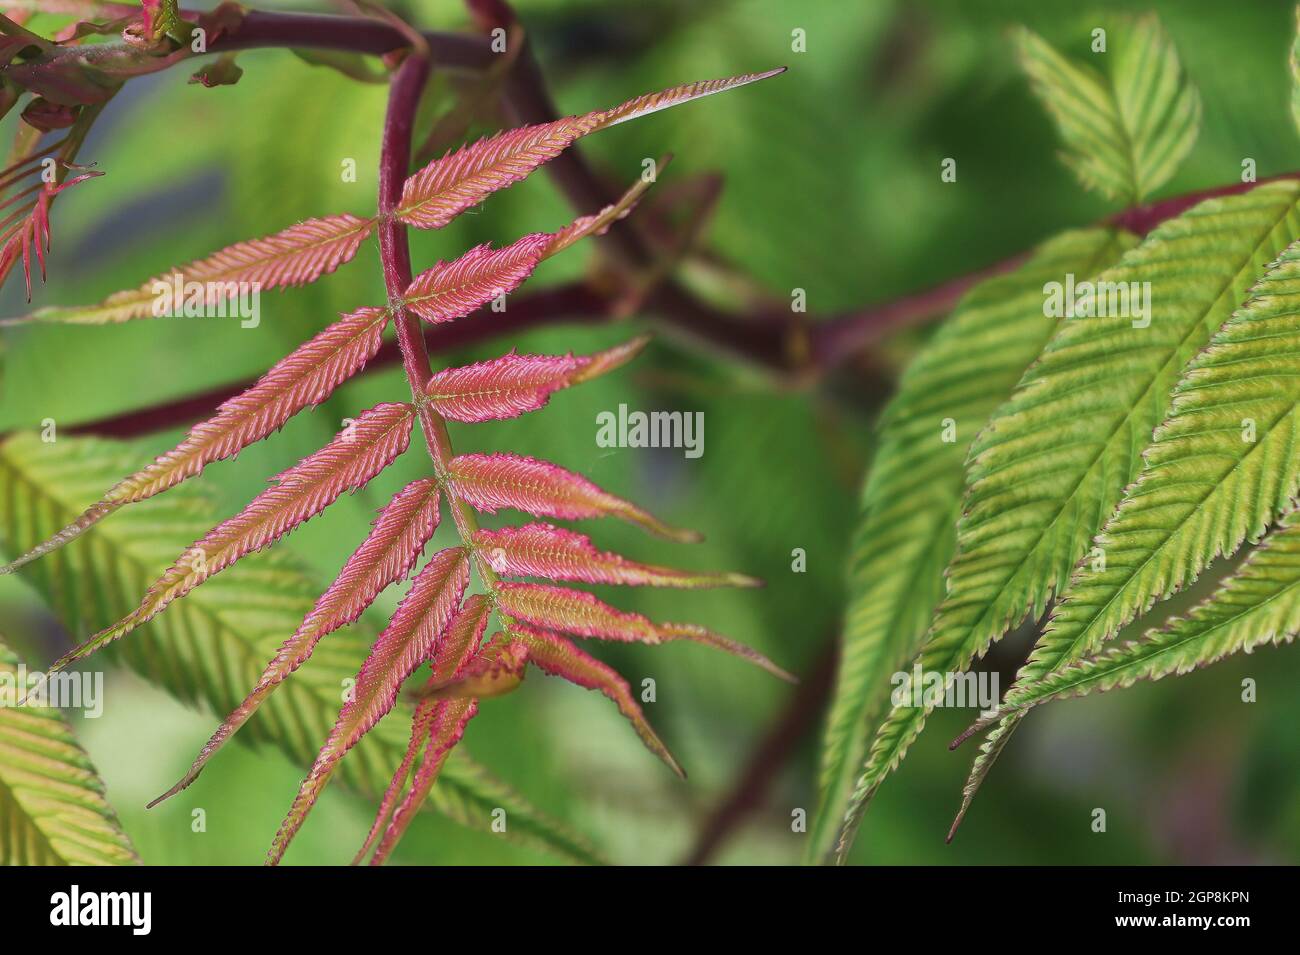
[1221, 467]
[1156, 345]
[209, 649]
[52, 805]
[1127, 125]
[912, 497]
[1257, 605]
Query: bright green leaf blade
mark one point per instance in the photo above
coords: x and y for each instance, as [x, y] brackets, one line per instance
[1221, 468]
[1055, 459]
[1127, 122]
[912, 497]
[1257, 605]
[52, 805]
[212, 646]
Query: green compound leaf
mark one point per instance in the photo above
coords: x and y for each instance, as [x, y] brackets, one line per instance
[1126, 122]
[1055, 459]
[911, 500]
[52, 805]
[1257, 605]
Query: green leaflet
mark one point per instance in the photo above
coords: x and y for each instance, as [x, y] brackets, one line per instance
[1220, 469]
[1222, 466]
[1056, 457]
[52, 805]
[1126, 122]
[211, 647]
[912, 496]
[1256, 605]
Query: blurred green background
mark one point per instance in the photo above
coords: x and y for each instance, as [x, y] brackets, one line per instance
[831, 185]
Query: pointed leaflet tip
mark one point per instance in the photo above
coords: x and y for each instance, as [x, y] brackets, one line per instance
[388, 553]
[437, 726]
[409, 639]
[455, 289]
[560, 657]
[489, 482]
[583, 614]
[654, 102]
[361, 451]
[88, 519]
[446, 187]
[599, 223]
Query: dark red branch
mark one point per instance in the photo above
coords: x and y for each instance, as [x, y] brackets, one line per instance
[798, 347]
[750, 788]
[564, 304]
[261, 29]
[1142, 219]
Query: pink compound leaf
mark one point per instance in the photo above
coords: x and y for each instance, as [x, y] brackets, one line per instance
[584, 615]
[514, 384]
[410, 638]
[452, 290]
[435, 723]
[298, 255]
[448, 186]
[361, 451]
[307, 376]
[387, 555]
[544, 550]
[489, 482]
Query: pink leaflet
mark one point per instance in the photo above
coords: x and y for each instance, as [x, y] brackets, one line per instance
[388, 553]
[544, 550]
[409, 639]
[446, 187]
[513, 384]
[584, 615]
[361, 451]
[489, 482]
[307, 376]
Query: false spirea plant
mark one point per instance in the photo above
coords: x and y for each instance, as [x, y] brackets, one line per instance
[439, 625]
